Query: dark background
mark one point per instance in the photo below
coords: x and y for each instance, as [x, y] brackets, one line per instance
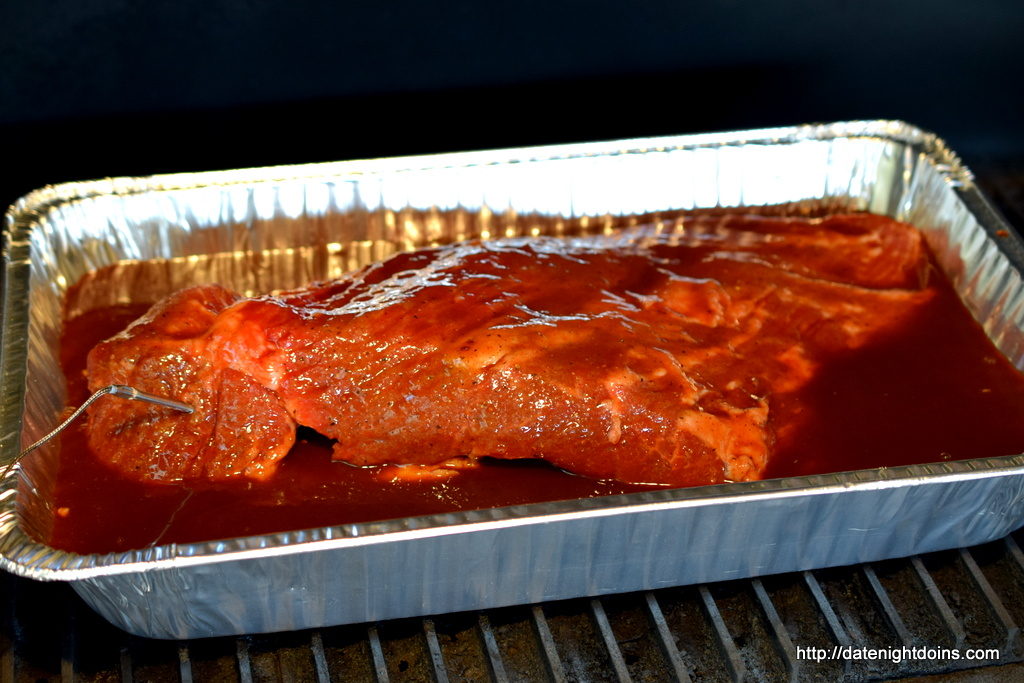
[98, 88]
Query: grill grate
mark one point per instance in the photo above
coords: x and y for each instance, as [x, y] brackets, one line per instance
[730, 631]
[746, 630]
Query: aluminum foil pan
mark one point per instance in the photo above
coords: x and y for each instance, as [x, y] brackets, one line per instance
[257, 230]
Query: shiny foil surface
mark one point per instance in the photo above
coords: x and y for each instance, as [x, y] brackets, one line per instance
[262, 230]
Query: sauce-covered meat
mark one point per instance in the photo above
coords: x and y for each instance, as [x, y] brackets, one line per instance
[639, 356]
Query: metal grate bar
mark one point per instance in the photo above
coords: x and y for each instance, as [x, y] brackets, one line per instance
[1015, 552]
[67, 653]
[953, 625]
[724, 640]
[547, 644]
[125, 663]
[610, 643]
[892, 615]
[994, 604]
[9, 621]
[244, 662]
[782, 642]
[436, 658]
[825, 607]
[316, 643]
[380, 666]
[184, 663]
[491, 648]
[835, 627]
[665, 639]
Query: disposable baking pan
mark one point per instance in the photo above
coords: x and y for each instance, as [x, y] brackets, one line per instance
[261, 229]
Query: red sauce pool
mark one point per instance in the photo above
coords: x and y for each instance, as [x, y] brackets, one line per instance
[937, 391]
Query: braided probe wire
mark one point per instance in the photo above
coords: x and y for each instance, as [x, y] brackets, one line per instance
[121, 390]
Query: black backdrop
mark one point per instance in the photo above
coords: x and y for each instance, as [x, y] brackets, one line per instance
[94, 88]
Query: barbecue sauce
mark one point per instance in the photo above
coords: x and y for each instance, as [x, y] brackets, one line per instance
[937, 390]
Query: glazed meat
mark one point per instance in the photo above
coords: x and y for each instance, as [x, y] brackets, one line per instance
[181, 348]
[641, 356]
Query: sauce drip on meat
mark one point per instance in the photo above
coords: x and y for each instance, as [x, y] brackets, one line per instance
[956, 398]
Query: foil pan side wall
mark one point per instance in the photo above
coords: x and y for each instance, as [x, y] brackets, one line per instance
[559, 558]
[981, 257]
[13, 358]
[31, 333]
[45, 398]
[281, 235]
